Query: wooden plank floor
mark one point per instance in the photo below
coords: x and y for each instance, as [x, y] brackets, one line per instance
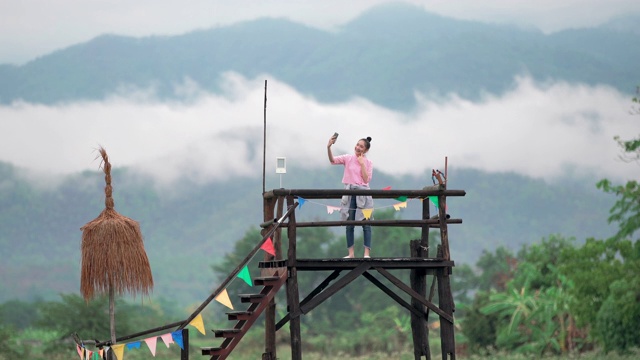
[347, 264]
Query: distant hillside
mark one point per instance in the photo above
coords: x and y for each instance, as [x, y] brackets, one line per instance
[189, 227]
[384, 55]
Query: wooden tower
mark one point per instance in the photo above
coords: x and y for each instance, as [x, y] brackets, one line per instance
[422, 264]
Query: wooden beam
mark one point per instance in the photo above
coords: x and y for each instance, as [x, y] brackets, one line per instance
[402, 286]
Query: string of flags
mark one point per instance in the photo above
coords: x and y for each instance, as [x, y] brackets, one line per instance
[176, 336]
[402, 204]
[223, 298]
[151, 342]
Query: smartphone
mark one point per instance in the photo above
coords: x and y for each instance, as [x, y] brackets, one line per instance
[335, 135]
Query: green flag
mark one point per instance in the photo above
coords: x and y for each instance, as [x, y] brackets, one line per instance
[244, 275]
[434, 200]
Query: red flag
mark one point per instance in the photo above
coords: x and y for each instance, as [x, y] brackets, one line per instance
[268, 247]
[387, 188]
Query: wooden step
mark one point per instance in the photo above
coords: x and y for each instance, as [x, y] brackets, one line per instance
[266, 281]
[214, 351]
[251, 298]
[226, 333]
[239, 315]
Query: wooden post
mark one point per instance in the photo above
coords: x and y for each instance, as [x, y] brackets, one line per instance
[184, 352]
[293, 297]
[270, 311]
[448, 343]
[418, 279]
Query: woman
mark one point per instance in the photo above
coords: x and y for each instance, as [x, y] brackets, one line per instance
[358, 170]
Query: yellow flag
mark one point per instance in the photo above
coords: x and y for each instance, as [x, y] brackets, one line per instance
[400, 205]
[367, 213]
[198, 323]
[223, 298]
[118, 350]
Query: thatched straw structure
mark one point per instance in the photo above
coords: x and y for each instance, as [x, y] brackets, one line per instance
[113, 257]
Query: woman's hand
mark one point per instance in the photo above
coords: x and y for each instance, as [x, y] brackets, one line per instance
[332, 141]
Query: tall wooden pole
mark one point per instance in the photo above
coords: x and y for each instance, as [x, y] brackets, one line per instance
[264, 139]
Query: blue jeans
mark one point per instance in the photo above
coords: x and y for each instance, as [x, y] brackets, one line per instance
[366, 229]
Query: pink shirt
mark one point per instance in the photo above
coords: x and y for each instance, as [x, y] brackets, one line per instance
[352, 171]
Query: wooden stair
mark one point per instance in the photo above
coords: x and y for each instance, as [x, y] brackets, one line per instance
[245, 319]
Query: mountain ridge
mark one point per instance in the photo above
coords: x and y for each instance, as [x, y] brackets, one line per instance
[400, 46]
[189, 227]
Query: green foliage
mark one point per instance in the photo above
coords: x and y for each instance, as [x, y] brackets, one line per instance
[480, 329]
[496, 269]
[18, 314]
[618, 319]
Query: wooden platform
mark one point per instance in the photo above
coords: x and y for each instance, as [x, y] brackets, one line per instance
[349, 264]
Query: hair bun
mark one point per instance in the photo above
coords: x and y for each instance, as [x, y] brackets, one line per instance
[369, 138]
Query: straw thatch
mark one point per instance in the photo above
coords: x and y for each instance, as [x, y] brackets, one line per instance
[113, 255]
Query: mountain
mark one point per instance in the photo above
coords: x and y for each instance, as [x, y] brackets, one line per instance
[385, 55]
[189, 227]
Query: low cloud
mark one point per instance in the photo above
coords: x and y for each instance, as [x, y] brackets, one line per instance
[540, 130]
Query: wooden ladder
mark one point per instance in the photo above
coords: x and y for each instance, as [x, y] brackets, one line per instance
[245, 319]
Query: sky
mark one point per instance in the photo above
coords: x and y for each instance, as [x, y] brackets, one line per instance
[545, 130]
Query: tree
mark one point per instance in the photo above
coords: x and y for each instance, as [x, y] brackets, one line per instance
[606, 272]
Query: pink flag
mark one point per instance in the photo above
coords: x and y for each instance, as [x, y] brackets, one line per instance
[268, 247]
[151, 343]
[167, 339]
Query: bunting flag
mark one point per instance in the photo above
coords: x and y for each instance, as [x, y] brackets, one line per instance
[331, 209]
[268, 247]
[367, 213]
[80, 351]
[101, 353]
[244, 275]
[133, 345]
[177, 337]
[301, 202]
[434, 200]
[89, 354]
[96, 356]
[223, 298]
[400, 205]
[198, 323]
[118, 351]
[401, 198]
[387, 188]
[167, 339]
[151, 344]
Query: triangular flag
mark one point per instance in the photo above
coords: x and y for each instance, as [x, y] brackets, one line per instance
[223, 298]
[118, 350]
[434, 200]
[244, 275]
[133, 345]
[367, 213]
[301, 202]
[80, 351]
[89, 354]
[198, 323]
[177, 336]
[268, 247]
[400, 205]
[331, 209]
[401, 198]
[387, 188]
[151, 343]
[167, 339]
[96, 356]
[101, 353]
